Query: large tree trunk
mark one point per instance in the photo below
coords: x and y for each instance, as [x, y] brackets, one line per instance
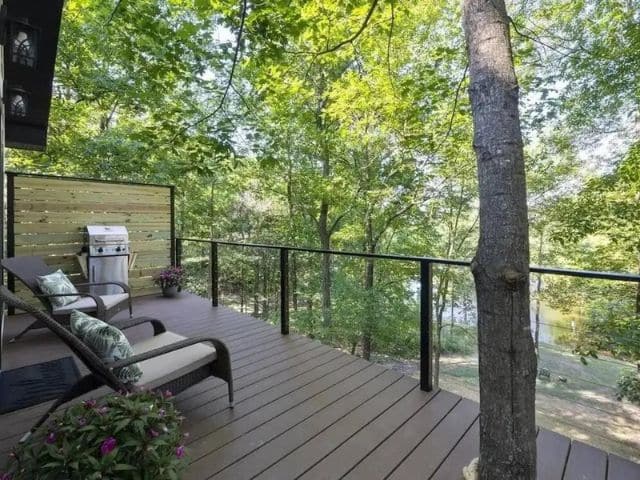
[501, 265]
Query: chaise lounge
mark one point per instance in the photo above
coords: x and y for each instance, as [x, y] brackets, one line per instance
[28, 269]
[168, 361]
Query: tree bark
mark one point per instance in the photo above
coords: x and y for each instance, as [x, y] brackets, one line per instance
[501, 264]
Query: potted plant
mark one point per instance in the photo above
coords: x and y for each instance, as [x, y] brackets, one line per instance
[122, 436]
[170, 280]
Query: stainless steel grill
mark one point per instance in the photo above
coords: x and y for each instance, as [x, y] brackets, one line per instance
[107, 257]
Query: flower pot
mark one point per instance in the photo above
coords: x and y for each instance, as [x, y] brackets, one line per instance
[170, 291]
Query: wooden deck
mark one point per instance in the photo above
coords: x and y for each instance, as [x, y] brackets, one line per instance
[305, 410]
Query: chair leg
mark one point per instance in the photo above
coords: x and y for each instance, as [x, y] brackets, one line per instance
[130, 308]
[82, 386]
[230, 385]
[18, 336]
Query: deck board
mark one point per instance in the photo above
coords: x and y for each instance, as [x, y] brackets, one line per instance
[390, 453]
[462, 454]
[307, 454]
[585, 463]
[346, 456]
[622, 469]
[553, 450]
[433, 450]
[305, 410]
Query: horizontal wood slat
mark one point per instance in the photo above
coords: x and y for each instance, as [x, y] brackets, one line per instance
[73, 248]
[25, 196]
[78, 237]
[21, 228]
[109, 206]
[50, 215]
[59, 184]
[90, 216]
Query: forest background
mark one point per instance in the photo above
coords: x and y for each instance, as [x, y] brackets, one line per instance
[346, 125]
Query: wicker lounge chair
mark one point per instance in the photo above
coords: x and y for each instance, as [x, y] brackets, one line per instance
[28, 269]
[168, 361]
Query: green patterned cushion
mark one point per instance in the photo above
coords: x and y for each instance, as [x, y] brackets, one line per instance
[107, 342]
[57, 282]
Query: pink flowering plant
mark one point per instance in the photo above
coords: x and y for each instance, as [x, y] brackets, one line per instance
[121, 437]
[170, 277]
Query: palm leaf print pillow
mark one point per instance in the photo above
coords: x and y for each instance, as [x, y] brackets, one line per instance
[56, 283]
[107, 342]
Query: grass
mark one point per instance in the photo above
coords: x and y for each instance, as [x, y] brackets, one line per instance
[583, 407]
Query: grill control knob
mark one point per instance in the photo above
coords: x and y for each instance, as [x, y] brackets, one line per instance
[100, 250]
[118, 249]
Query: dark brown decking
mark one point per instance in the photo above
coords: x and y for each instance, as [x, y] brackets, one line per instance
[305, 410]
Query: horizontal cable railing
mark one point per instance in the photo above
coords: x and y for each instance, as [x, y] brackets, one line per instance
[426, 297]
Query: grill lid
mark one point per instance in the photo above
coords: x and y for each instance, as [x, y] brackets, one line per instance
[102, 234]
[108, 240]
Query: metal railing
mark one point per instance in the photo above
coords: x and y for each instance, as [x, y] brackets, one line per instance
[426, 285]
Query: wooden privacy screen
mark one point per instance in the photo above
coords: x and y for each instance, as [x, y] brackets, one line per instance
[47, 217]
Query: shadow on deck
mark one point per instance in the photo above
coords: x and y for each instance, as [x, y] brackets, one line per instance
[305, 410]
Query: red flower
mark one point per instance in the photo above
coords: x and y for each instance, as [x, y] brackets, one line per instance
[51, 438]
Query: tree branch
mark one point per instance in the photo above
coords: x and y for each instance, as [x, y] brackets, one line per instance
[568, 53]
[236, 58]
[335, 223]
[455, 107]
[391, 219]
[389, 37]
[114, 11]
[341, 44]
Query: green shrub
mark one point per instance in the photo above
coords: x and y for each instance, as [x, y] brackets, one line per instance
[125, 437]
[458, 340]
[629, 387]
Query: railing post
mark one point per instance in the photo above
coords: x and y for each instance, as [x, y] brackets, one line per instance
[213, 263]
[426, 324]
[178, 259]
[284, 291]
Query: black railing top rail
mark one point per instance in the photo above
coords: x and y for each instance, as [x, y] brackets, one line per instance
[622, 277]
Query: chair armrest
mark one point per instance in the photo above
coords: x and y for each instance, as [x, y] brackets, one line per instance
[101, 309]
[156, 352]
[125, 288]
[158, 326]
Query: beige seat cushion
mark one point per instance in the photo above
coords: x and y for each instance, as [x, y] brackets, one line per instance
[87, 303]
[165, 368]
